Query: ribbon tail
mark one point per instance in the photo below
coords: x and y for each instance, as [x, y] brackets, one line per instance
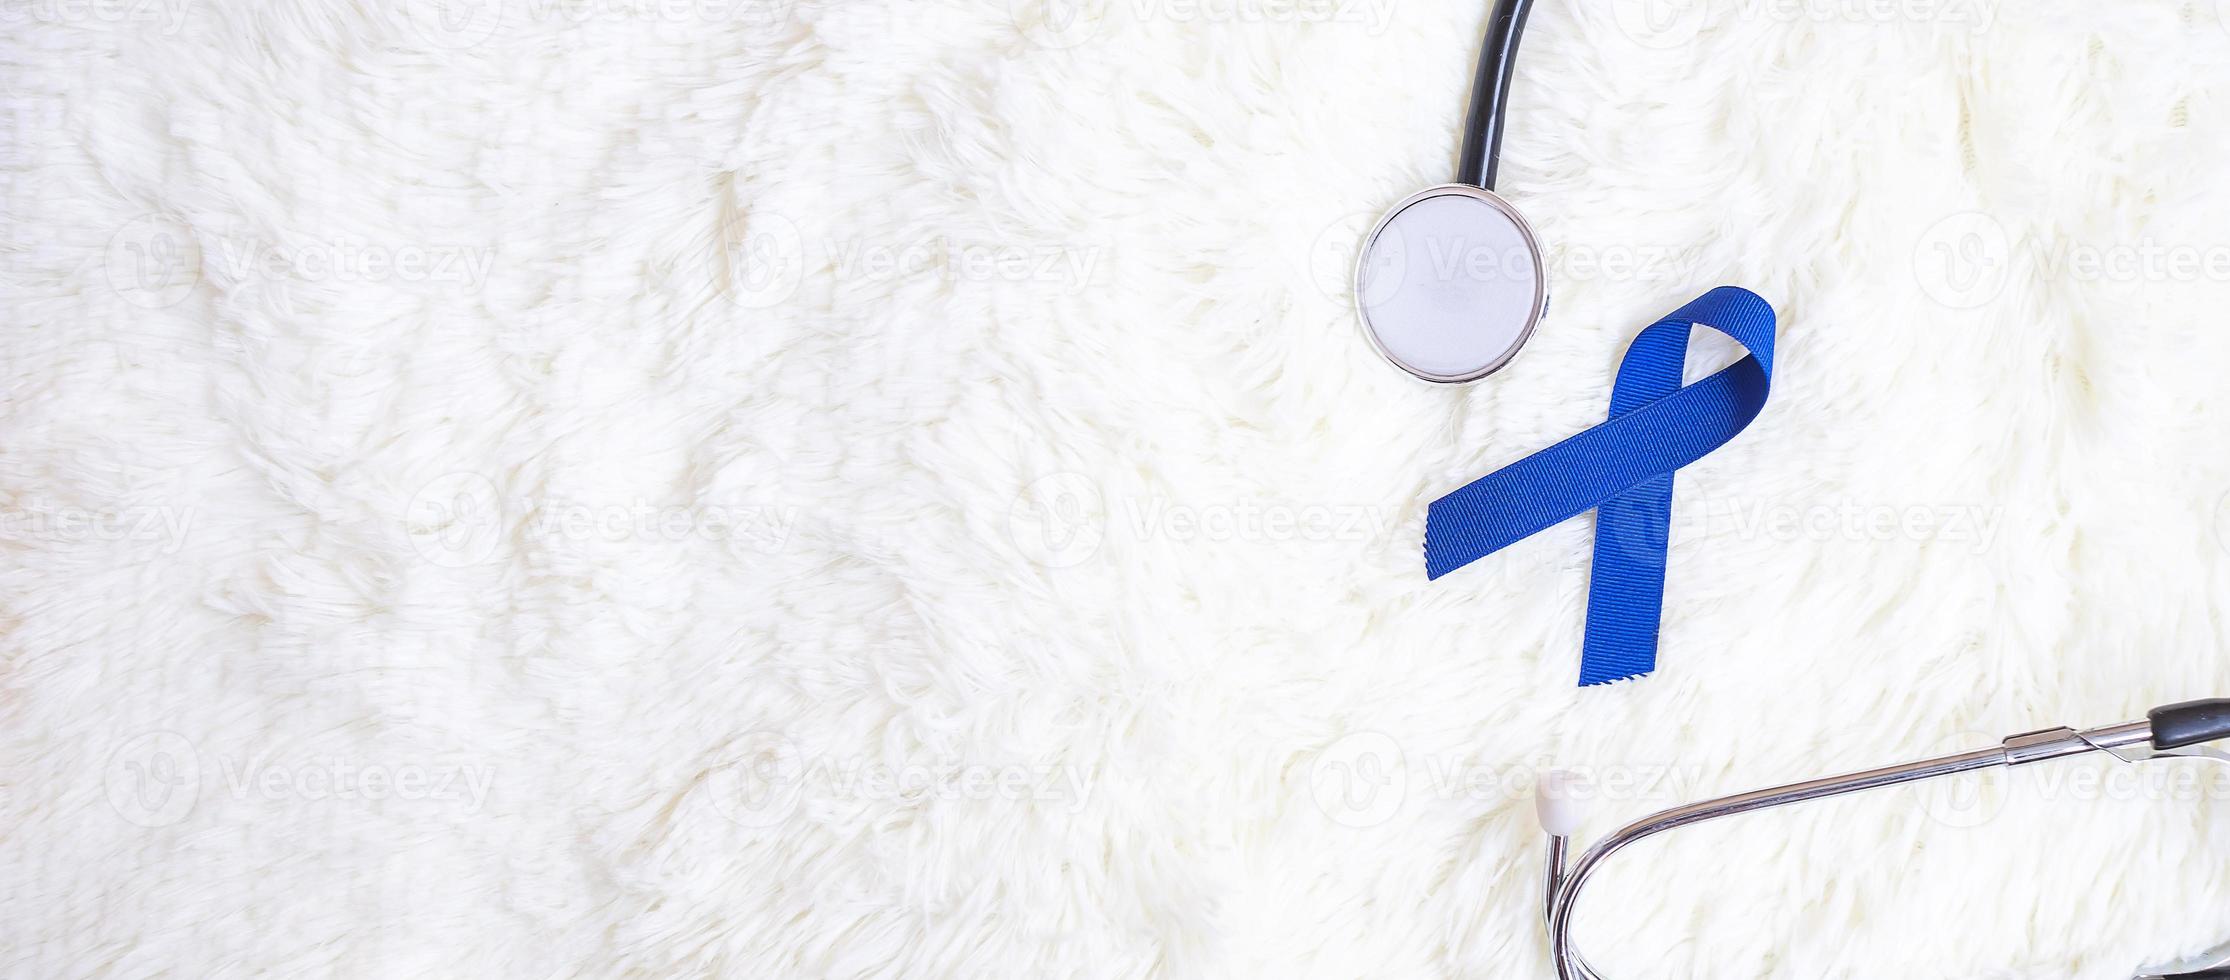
[1626, 588]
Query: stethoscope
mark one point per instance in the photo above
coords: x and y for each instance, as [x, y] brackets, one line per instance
[2183, 731]
[1449, 286]
[1450, 283]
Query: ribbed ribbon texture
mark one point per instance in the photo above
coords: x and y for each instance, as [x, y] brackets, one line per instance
[1623, 469]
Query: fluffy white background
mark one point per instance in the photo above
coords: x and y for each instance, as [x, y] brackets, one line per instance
[533, 494]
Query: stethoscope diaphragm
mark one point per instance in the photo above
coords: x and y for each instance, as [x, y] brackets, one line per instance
[1450, 284]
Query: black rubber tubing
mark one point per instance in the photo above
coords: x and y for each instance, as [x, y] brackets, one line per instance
[1490, 94]
[2191, 723]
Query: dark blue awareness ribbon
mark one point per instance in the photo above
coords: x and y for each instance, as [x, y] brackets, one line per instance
[1622, 469]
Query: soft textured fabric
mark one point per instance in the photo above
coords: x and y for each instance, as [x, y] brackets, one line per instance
[870, 488]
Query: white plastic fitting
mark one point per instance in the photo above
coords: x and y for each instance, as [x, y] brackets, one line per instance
[1558, 800]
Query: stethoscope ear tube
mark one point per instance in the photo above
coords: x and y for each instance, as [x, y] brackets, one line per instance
[2174, 732]
[2180, 726]
[2208, 968]
[1490, 95]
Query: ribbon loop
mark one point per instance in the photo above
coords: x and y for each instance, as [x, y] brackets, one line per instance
[1623, 469]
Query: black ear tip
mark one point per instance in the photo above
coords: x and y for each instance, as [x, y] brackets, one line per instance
[2192, 723]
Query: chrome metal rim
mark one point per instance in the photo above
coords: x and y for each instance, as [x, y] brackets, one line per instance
[1540, 282]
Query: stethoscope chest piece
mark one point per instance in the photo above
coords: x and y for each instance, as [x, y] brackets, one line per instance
[1450, 284]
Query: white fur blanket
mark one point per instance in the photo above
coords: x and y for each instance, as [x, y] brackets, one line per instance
[869, 488]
